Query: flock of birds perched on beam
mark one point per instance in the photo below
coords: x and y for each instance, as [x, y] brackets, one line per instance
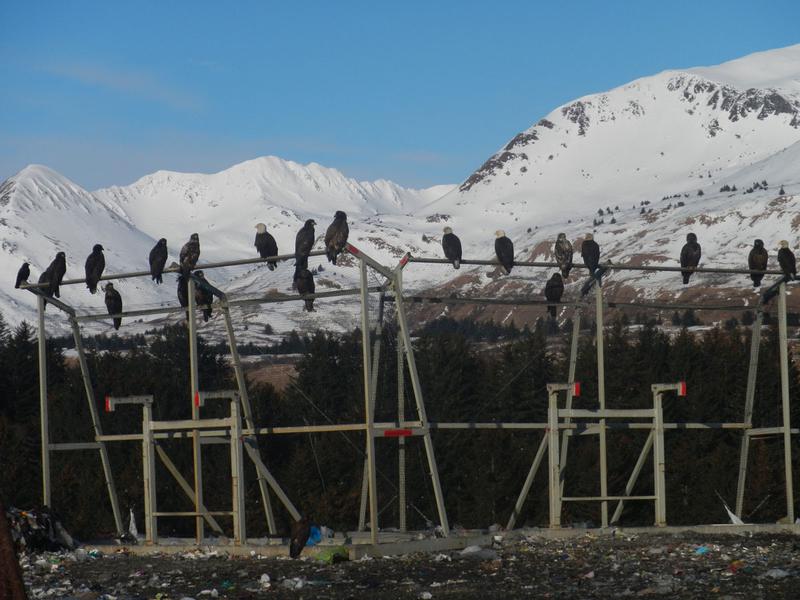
[335, 242]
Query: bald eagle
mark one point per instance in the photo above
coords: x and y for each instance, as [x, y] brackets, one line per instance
[203, 297]
[787, 260]
[336, 236]
[183, 290]
[690, 257]
[266, 245]
[305, 285]
[190, 254]
[303, 243]
[157, 259]
[590, 253]
[114, 304]
[553, 291]
[95, 264]
[504, 248]
[757, 261]
[54, 274]
[452, 247]
[563, 253]
[300, 531]
[23, 274]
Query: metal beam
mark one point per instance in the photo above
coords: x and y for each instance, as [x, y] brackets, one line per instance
[601, 397]
[273, 483]
[749, 400]
[197, 453]
[637, 469]
[785, 405]
[44, 420]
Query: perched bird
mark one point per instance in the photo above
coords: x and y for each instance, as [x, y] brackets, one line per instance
[157, 259]
[787, 261]
[54, 274]
[553, 291]
[114, 304]
[183, 290]
[23, 274]
[504, 248]
[302, 246]
[300, 531]
[95, 264]
[563, 253]
[190, 254]
[690, 256]
[305, 285]
[590, 253]
[336, 236]
[757, 261]
[266, 245]
[452, 247]
[203, 297]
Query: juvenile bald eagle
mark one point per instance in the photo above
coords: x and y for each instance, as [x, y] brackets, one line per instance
[23, 274]
[305, 285]
[452, 247]
[183, 290]
[563, 253]
[553, 291]
[590, 253]
[266, 245]
[190, 254]
[690, 257]
[303, 243]
[336, 236]
[787, 260]
[300, 531]
[53, 275]
[203, 297]
[157, 259]
[114, 304]
[504, 248]
[757, 261]
[95, 264]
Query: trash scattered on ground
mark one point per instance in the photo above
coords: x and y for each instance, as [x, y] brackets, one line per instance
[333, 555]
[38, 531]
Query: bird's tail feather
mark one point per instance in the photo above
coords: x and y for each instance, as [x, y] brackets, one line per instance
[456, 264]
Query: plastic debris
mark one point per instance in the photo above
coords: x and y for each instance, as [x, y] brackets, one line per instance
[479, 553]
[333, 555]
[776, 573]
[265, 582]
[701, 550]
[314, 536]
[38, 531]
[294, 583]
[425, 596]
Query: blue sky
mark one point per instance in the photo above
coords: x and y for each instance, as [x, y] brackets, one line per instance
[417, 92]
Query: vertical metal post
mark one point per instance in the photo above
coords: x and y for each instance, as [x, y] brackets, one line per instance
[237, 478]
[197, 456]
[554, 471]
[370, 431]
[149, 473]
[401, 441]
[376, 359]
[749, 399]
[573, 359]
[402, 323]
[241, 383]
[43, 407]
[787, 434]
[98, 428]
[601, 396]
[658, 461]
[648, 444]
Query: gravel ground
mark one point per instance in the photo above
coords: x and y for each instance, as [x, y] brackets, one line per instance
[761, 566]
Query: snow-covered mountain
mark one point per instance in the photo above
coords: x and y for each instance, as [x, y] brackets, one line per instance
[704, 149]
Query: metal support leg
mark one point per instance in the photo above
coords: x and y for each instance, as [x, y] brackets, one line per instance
[98, 429]
[402, 324]
[376, 354]
[247, 409]
[749, 399]
[786, 424]
[197, 456]
[601, 397]
[149, 476]
[401, 441]
[43, 407]
[554, 471]
[526, 487]
[368, 409]
[573, 360]
[637, 469]
[659, 481]
[237, 479]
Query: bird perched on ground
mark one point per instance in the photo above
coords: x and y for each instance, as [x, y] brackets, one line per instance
[183, 290]
[190, 254]
[787, 260]
[23, 274]
[690, 256]
[300, 531]
[305, 285]
[553, 291]
[114, 304]
[95, 264]
[303, 243]
[757, 261]
[563, 253]
[203, 297]
[336, 236]
[54, 274]
[266, 245]
[452, 247]
[590, 253]
[157, 259]
[504, 249]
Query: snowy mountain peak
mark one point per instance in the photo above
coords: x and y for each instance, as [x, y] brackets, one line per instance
[776, 69]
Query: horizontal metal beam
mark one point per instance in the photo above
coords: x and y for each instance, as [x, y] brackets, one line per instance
[186, 513]
[604, 498]
[608, 413]
[764, 431]
[190, 424]
[65, 446]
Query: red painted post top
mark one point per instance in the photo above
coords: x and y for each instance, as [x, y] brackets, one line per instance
[353, 250]
[681, 388]
[397, 433]
[576, 389]
[197, 398]
[108, 404]
[405, 259]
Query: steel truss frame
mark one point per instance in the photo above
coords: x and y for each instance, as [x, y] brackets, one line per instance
[202, 431]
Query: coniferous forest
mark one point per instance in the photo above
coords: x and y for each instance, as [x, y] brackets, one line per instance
[469, 372]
